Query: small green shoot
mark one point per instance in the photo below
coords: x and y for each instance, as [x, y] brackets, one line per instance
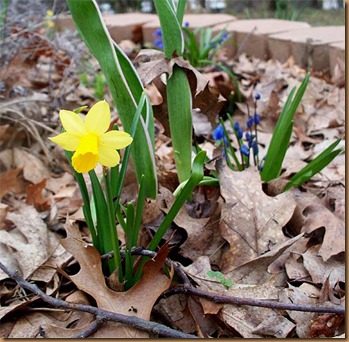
[220, 277]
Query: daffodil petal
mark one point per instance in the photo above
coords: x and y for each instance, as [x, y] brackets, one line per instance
[97, 119]
[115, 140]
[108, 157]
[67, 141]
[72, 123]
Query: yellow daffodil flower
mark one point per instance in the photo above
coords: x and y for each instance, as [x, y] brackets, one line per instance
[89, 138]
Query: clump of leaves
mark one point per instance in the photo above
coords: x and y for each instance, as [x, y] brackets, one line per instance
[200, 46]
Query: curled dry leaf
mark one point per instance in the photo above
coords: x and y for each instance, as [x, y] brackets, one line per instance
[138, 301]
[262, 269]
[30, 244]
[318, 217]
[76, 321]
[11, 182]
[333, 269]
[151, 64]
[34, 170]
[175, 310]
[251, 221]
[36, 196]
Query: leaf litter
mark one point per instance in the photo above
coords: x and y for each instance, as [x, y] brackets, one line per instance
[285, 247]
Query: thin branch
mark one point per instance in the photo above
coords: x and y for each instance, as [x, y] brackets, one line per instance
[142, 324]
[187, 288]
[217, 298]
[145, 252]
[92, 328]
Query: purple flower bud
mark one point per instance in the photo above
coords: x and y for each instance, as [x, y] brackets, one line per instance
[245, 150]
[249, 122]
[159, 44]
[257, 119]
[236, 125]
[157, 33]
[186, 23]
[239, 133]
[257, 96]
[218, 133]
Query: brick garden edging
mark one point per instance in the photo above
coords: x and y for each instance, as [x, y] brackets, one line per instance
[315, 47]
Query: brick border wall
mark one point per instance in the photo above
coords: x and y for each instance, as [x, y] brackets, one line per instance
[319, 48]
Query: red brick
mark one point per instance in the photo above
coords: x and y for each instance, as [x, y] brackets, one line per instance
[250, 36]
[64, 22]
[195, 21]
[310, 47]
[122, 26]
[336, 52]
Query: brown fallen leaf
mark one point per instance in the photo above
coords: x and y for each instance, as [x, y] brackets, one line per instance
[138, 301]
[151, 64]
[203, 233]
[30, 243]
[334, 200]
[332, 270]
[34, 170]
[55, 323]
[11, 181]
[248, 321]
[327, 325]
[262, 269]
[205, 240]
[175, 310]
[205, 325]
[304, 294]
[76, 322]
[4, 208]
[318, 217]
[36, 196]
[251, 222]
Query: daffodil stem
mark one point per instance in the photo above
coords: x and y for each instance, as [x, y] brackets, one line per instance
[112, 225]
[195, 178]
[86, 199]
[127, 153]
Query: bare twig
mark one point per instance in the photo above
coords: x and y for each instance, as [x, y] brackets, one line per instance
[93, 327]
[189, 289]
[135, 322]
[144, 252]
[217, 298]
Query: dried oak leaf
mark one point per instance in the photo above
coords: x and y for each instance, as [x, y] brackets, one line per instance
[138, 301]
[30, 244]
[304, 294]
[175, 310]
[249, 321]
[151, 64]
[251, 221]
[318, 219]
[36, 196]
[11, 181]
[332, 269]
[34, 170]
[203, 234]
[264, 268]
[326, 325]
